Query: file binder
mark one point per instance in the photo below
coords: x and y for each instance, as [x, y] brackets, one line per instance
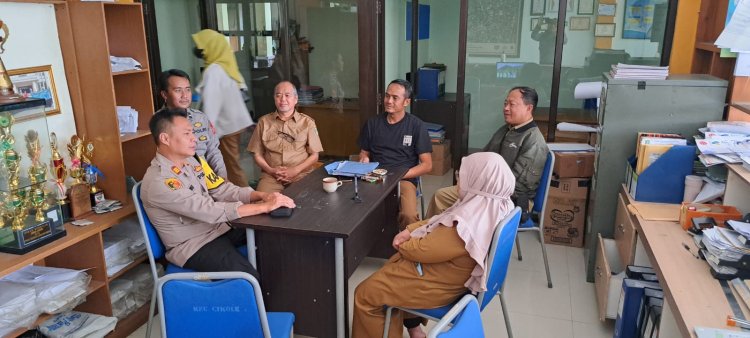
[631, 299]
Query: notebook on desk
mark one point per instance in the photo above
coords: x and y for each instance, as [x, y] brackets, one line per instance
[350, 168]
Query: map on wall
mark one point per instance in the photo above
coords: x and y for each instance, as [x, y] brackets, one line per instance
[494, 28]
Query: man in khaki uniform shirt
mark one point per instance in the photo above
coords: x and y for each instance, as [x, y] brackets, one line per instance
[190, 205]
[285, 143]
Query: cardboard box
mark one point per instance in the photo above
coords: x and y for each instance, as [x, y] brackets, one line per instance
[574, 164]
[440, 166]
[441, 151]
[564, 217]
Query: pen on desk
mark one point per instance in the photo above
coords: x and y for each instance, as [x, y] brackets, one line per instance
[736, 322]
[687, 247]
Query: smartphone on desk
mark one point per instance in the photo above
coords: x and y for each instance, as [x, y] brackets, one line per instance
[282, 212]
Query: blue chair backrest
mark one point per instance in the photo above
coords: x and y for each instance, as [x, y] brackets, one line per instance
[467, 323]
[153, 242]
[499, 255]
[218, 307]
[541, 191]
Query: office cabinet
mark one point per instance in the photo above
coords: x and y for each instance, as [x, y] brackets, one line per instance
[455, 119]
[680, 104]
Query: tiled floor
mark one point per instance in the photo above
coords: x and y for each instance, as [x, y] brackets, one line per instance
[566, 310]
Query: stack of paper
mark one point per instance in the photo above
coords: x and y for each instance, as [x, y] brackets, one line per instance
[122, 64]
[18, 307]
[116, 253]
[75, 324]
[625, 71]
[127, 119]
[121, 295]
[129, 229]
[57, 289]
[724, 142]
[143, 283]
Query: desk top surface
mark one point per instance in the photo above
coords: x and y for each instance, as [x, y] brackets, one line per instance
[319, 213]
[695, 296]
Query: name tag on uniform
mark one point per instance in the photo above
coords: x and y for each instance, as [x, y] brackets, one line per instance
[407, 140]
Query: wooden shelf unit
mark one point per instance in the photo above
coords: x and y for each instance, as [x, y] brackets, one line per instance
[706, 56]
[100, 30]
[739, 108]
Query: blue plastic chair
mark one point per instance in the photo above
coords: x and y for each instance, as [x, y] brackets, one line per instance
[498, 259]
[217, 304]
[540, 206]
[156, 250]
[463, 320]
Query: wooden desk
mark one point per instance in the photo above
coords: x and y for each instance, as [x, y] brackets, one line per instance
[695, 298]
[338, 125]
[305, 261]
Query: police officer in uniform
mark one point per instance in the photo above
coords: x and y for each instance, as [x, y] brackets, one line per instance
[174, 88]
[190, 205]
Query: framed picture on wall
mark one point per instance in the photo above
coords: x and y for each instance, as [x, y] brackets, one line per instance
[604, 30]
[554, 5]
[585, 7]
[534, 22]
[638, 19]
[606, 9]
[580, 23]
[496, 31]
[537, 7]
[36, 82]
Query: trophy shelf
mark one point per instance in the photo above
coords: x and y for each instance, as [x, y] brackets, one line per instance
[10, 262]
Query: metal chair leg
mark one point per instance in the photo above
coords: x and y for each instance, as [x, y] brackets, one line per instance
[544, 254]
[387, 326]
[518, 248]
[151, 313]
[504, 310]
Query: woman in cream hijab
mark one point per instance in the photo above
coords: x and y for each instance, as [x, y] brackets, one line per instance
[440, 258]
[221, 98]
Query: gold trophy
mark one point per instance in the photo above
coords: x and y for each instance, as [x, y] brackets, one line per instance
[6, 86]
[12, 161]
[75, 150]
[80, 200]
[58, 169]
[37, 170]
[19, 211]
[91, 174]
[6, 137]
[38, 200]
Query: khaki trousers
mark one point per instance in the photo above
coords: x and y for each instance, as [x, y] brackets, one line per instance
[408, 213]
[443, 199]
[229, 146]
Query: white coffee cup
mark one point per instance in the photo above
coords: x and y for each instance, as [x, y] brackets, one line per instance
[330, 184]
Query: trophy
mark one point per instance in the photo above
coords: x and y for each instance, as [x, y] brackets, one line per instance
[75, 149]
[19, 210]
[37, 170]
[12, 161]
[6, 137]
[80, 200]
[6, 86]
[58, 169]
[38, 200]
[91, 174]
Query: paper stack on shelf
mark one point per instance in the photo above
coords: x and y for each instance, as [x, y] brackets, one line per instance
[116, 253]
[17, 306]
[129, 229]
[57, 289]
[436, 132]
[122, 64]
[121, 295]
[724, 142]
[310, 94]
[640, 72]
[127, 119]
[76, 324]
[143, 283]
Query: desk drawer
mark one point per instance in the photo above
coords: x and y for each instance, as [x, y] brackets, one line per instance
[608, 276]
[625, 235]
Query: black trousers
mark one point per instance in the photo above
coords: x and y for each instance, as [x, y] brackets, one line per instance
[221, 255]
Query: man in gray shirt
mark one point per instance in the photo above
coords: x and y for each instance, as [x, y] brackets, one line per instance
[174, 88]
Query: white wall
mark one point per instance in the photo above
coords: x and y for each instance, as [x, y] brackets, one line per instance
[177, 20]
[34, 42]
